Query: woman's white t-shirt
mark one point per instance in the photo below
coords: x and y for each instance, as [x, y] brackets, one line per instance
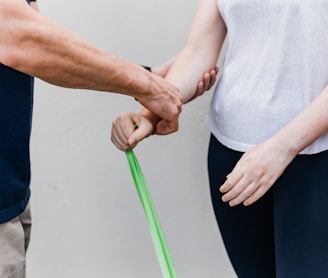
[276, 64]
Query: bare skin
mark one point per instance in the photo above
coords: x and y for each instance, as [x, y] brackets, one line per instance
[146, 120]
[260, 167]
[62, 58]
[191, 64]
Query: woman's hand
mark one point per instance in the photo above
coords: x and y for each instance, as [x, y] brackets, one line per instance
[209, 78]
[255, 173]
[128, 129]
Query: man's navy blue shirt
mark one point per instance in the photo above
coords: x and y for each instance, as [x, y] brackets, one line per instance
[16, 101]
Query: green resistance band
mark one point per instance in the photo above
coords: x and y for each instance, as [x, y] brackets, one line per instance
[162, 251]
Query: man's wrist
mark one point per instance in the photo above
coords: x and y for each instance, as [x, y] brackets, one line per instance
[147, 68]
[153, 118]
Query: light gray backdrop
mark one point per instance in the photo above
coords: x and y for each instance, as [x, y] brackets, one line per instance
[88, 221]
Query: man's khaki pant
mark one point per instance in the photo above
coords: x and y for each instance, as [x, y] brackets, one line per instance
[14, 240]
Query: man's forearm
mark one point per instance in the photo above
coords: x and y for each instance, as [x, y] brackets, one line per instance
[37, 46]
[34, 5]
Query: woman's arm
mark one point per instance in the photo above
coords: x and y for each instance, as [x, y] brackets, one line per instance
[200, 54]
[201, 51]
[209, 78]
[261, 166]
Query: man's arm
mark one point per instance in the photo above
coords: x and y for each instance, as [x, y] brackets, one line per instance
[34, 5]
[33, 44]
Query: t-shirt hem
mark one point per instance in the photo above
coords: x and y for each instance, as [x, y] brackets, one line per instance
[243, 147]
[15, 210]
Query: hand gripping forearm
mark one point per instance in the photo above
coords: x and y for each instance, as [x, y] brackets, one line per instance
[35, 45]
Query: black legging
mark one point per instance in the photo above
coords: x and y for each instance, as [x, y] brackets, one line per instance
[285, 233]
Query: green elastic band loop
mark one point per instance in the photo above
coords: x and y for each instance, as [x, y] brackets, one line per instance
[162, 251]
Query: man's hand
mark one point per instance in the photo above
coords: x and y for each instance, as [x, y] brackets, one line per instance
[164, 100]
[165, 127]
[34, 6]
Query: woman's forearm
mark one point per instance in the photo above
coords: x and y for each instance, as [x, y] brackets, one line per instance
[201, 51]
[306, 127]
[189, 68]
[260, 167]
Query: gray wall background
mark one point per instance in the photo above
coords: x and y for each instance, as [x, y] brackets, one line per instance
[88, 221]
